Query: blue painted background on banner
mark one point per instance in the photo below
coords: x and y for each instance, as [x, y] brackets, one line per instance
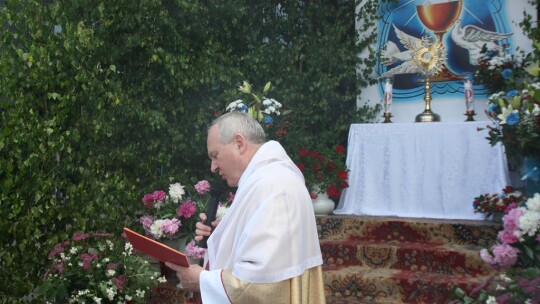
[488, 15]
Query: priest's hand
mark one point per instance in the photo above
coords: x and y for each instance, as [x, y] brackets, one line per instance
[188, 276]
[203, 230]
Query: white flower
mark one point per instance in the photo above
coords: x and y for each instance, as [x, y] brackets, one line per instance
[96, 299]
[176, 191]
[533, 203]
[111, 273]
[221, 212]
[505, 112]
[73, 250]
[110, 244]
[155, 229]
[128, 248]
[535, 110]
[110, 293]
[529, 222]
[491, 300]
[162, 279]
[239, 103]
[139, 293]
[128, 298]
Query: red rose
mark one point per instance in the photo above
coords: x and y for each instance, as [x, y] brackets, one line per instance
[342, 175]
[340, 149]
[303, 152]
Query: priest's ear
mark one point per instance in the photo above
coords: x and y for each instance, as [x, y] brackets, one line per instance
[240, 141]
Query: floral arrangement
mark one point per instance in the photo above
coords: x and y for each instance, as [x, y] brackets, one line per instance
[517, 255]
[175, 214]
[516, 117]
[498, 70]
[97, 268]
[498, 203]
[324, 171]
[515, 111]
[268, 111]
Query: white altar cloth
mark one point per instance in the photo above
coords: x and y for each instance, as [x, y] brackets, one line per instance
[426, 170]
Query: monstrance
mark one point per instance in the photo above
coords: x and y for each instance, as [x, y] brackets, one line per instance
[428, 57]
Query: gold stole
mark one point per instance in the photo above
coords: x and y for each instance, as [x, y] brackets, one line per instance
[307, 288]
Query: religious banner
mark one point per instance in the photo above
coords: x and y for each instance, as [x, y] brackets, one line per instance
[462, 28]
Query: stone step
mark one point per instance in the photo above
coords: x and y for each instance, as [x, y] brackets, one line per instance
[413, 256]
[365, 285]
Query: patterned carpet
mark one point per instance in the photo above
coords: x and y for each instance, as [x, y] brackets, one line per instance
[399, 260]
[390, 260]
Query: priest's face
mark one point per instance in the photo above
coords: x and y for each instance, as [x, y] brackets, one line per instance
[226, 158]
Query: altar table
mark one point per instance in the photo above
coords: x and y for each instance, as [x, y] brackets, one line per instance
[426, 170]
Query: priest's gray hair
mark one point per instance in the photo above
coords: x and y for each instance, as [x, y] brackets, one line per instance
[238, 122]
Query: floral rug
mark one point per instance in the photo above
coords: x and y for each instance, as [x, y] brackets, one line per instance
[400, 260]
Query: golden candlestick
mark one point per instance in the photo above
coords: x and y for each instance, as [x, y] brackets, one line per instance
[427, 115]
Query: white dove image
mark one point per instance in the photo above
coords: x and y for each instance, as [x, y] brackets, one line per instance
[473, 39]
[391, 54]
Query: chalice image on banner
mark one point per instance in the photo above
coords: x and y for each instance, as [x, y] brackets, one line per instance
[439, 17]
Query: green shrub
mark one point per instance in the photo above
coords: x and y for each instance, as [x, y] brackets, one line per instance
[100, 101]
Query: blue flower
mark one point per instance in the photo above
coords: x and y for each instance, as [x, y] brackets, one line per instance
[493, 108]
[243, 109]
[512, 119]
[268, 120]
[506, 73]
[512, 93]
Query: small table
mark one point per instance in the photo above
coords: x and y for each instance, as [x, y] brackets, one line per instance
[426, 170]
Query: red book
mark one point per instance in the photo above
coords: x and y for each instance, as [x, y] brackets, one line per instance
[156, 249]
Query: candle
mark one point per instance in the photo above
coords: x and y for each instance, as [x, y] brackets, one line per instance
[388, 95]
[469, 96]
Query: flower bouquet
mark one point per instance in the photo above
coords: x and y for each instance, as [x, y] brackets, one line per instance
[498, 204]
[517, 256]
[267, 111]
[499, 70]
[324, 171]
[174, 215]
[97, 268]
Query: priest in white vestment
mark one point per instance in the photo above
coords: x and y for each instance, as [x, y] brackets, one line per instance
[266, 248]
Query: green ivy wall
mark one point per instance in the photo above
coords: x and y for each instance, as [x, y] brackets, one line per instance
[101, 101]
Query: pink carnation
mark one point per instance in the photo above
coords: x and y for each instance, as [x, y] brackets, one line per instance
[119, 282]
[148, 201]
[57, 249]
[187, 209]
[202, 187]
[511, 221]
[110, 266]
[487, 257]
[505, 255]
[159, 195]
[507, 238]
[87, 259]
[510, 207]
[195, 252]
[170, 226]
[146, 221]
[80, 236]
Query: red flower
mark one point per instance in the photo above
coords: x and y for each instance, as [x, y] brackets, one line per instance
[343, 175]
[340, 149]
[303, 152]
